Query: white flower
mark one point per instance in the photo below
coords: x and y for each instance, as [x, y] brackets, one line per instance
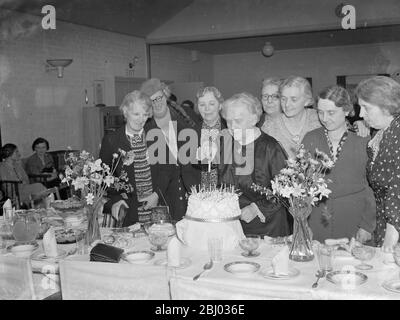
[115, 155]
[96, 166]
[80, 182]
[109, 180]
[129, 158]
[89, 198]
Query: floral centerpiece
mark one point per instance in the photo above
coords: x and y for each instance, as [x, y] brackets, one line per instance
[298, 187]
[92, 178]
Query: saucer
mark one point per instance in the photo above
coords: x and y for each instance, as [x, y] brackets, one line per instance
[392, 285]
[241, 268]
[138, 256]
[41, 256]
[269, 273]
[185, 262]
[346, 278]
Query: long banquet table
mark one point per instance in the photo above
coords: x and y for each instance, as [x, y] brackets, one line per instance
[219, 284]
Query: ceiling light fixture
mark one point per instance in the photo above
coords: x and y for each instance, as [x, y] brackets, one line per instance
[58, 64]
[268, 49]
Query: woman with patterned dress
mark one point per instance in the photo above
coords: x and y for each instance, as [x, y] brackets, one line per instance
[379, 100]
[136, 109]
[350, 210]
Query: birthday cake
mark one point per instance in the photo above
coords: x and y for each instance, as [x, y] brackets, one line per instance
[211, 213]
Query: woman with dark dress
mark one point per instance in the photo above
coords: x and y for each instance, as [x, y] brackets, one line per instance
[379, 100]
[252, 157]
[350, 210]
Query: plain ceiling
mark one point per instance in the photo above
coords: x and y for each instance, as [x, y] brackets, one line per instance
[141, 17]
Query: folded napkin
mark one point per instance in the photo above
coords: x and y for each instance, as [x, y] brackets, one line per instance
[7, 204]
[174, 252]
[50, 243]
[280, 263]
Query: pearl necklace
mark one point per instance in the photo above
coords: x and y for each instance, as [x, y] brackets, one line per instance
[295, 137]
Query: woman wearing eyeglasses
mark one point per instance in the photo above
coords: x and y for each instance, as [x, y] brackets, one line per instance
[270, 100]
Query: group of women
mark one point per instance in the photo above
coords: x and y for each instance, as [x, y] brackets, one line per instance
[40, 163]
[365, 179]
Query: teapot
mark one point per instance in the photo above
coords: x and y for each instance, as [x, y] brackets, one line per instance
[26, 225]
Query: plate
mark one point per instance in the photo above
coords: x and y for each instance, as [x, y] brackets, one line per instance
[138, 256]
[392, 285]
[35, 244]
[185, 262]
[241, 268]
[346, 278]
[40, 256]
[269, 273]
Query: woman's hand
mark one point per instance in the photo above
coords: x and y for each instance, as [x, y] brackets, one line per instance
[363, 236]
[150, 201]
[391, 238]
[248, 214]
[362, 129]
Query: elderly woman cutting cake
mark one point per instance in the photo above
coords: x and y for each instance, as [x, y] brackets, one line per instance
[252, 157]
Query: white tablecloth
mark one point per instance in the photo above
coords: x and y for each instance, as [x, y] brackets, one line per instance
[219, 284]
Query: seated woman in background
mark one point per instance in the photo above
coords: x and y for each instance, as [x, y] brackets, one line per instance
[263, 159]
[42, 163]
[11, 169]
[350, 210]
[379, 99]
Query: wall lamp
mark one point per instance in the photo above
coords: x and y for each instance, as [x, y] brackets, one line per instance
[57, 64]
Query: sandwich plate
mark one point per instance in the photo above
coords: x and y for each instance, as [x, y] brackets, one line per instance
[138, 256]
[392, 285]
[242, 268]
[346, 278]
[41, 256]
[270, 274]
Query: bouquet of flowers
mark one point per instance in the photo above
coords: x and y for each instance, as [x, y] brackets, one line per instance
[298, 187]
[92, 178]
[302, 181]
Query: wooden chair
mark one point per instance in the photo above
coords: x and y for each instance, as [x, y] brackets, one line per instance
[10, 191]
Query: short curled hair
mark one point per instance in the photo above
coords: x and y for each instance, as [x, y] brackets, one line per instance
[39, 141]
[338, 95]
[251, 102]
[217, 94]
[272, 81]
[136, 97]
[299, 82]
[7, 150]
[381, 91]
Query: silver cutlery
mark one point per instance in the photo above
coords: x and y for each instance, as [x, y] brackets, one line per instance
[320, 274]
[207, 266]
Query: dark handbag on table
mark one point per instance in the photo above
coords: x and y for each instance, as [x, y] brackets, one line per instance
[105, 253]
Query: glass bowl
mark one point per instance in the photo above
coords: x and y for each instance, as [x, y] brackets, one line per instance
[363, 253]
[158, 239]
[249, 245]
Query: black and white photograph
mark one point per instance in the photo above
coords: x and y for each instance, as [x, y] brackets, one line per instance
[199, 150]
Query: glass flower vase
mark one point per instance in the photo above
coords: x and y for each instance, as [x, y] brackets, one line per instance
[93, 228]
[301, 248]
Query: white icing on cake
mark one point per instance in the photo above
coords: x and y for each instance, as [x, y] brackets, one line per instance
[213, 205]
